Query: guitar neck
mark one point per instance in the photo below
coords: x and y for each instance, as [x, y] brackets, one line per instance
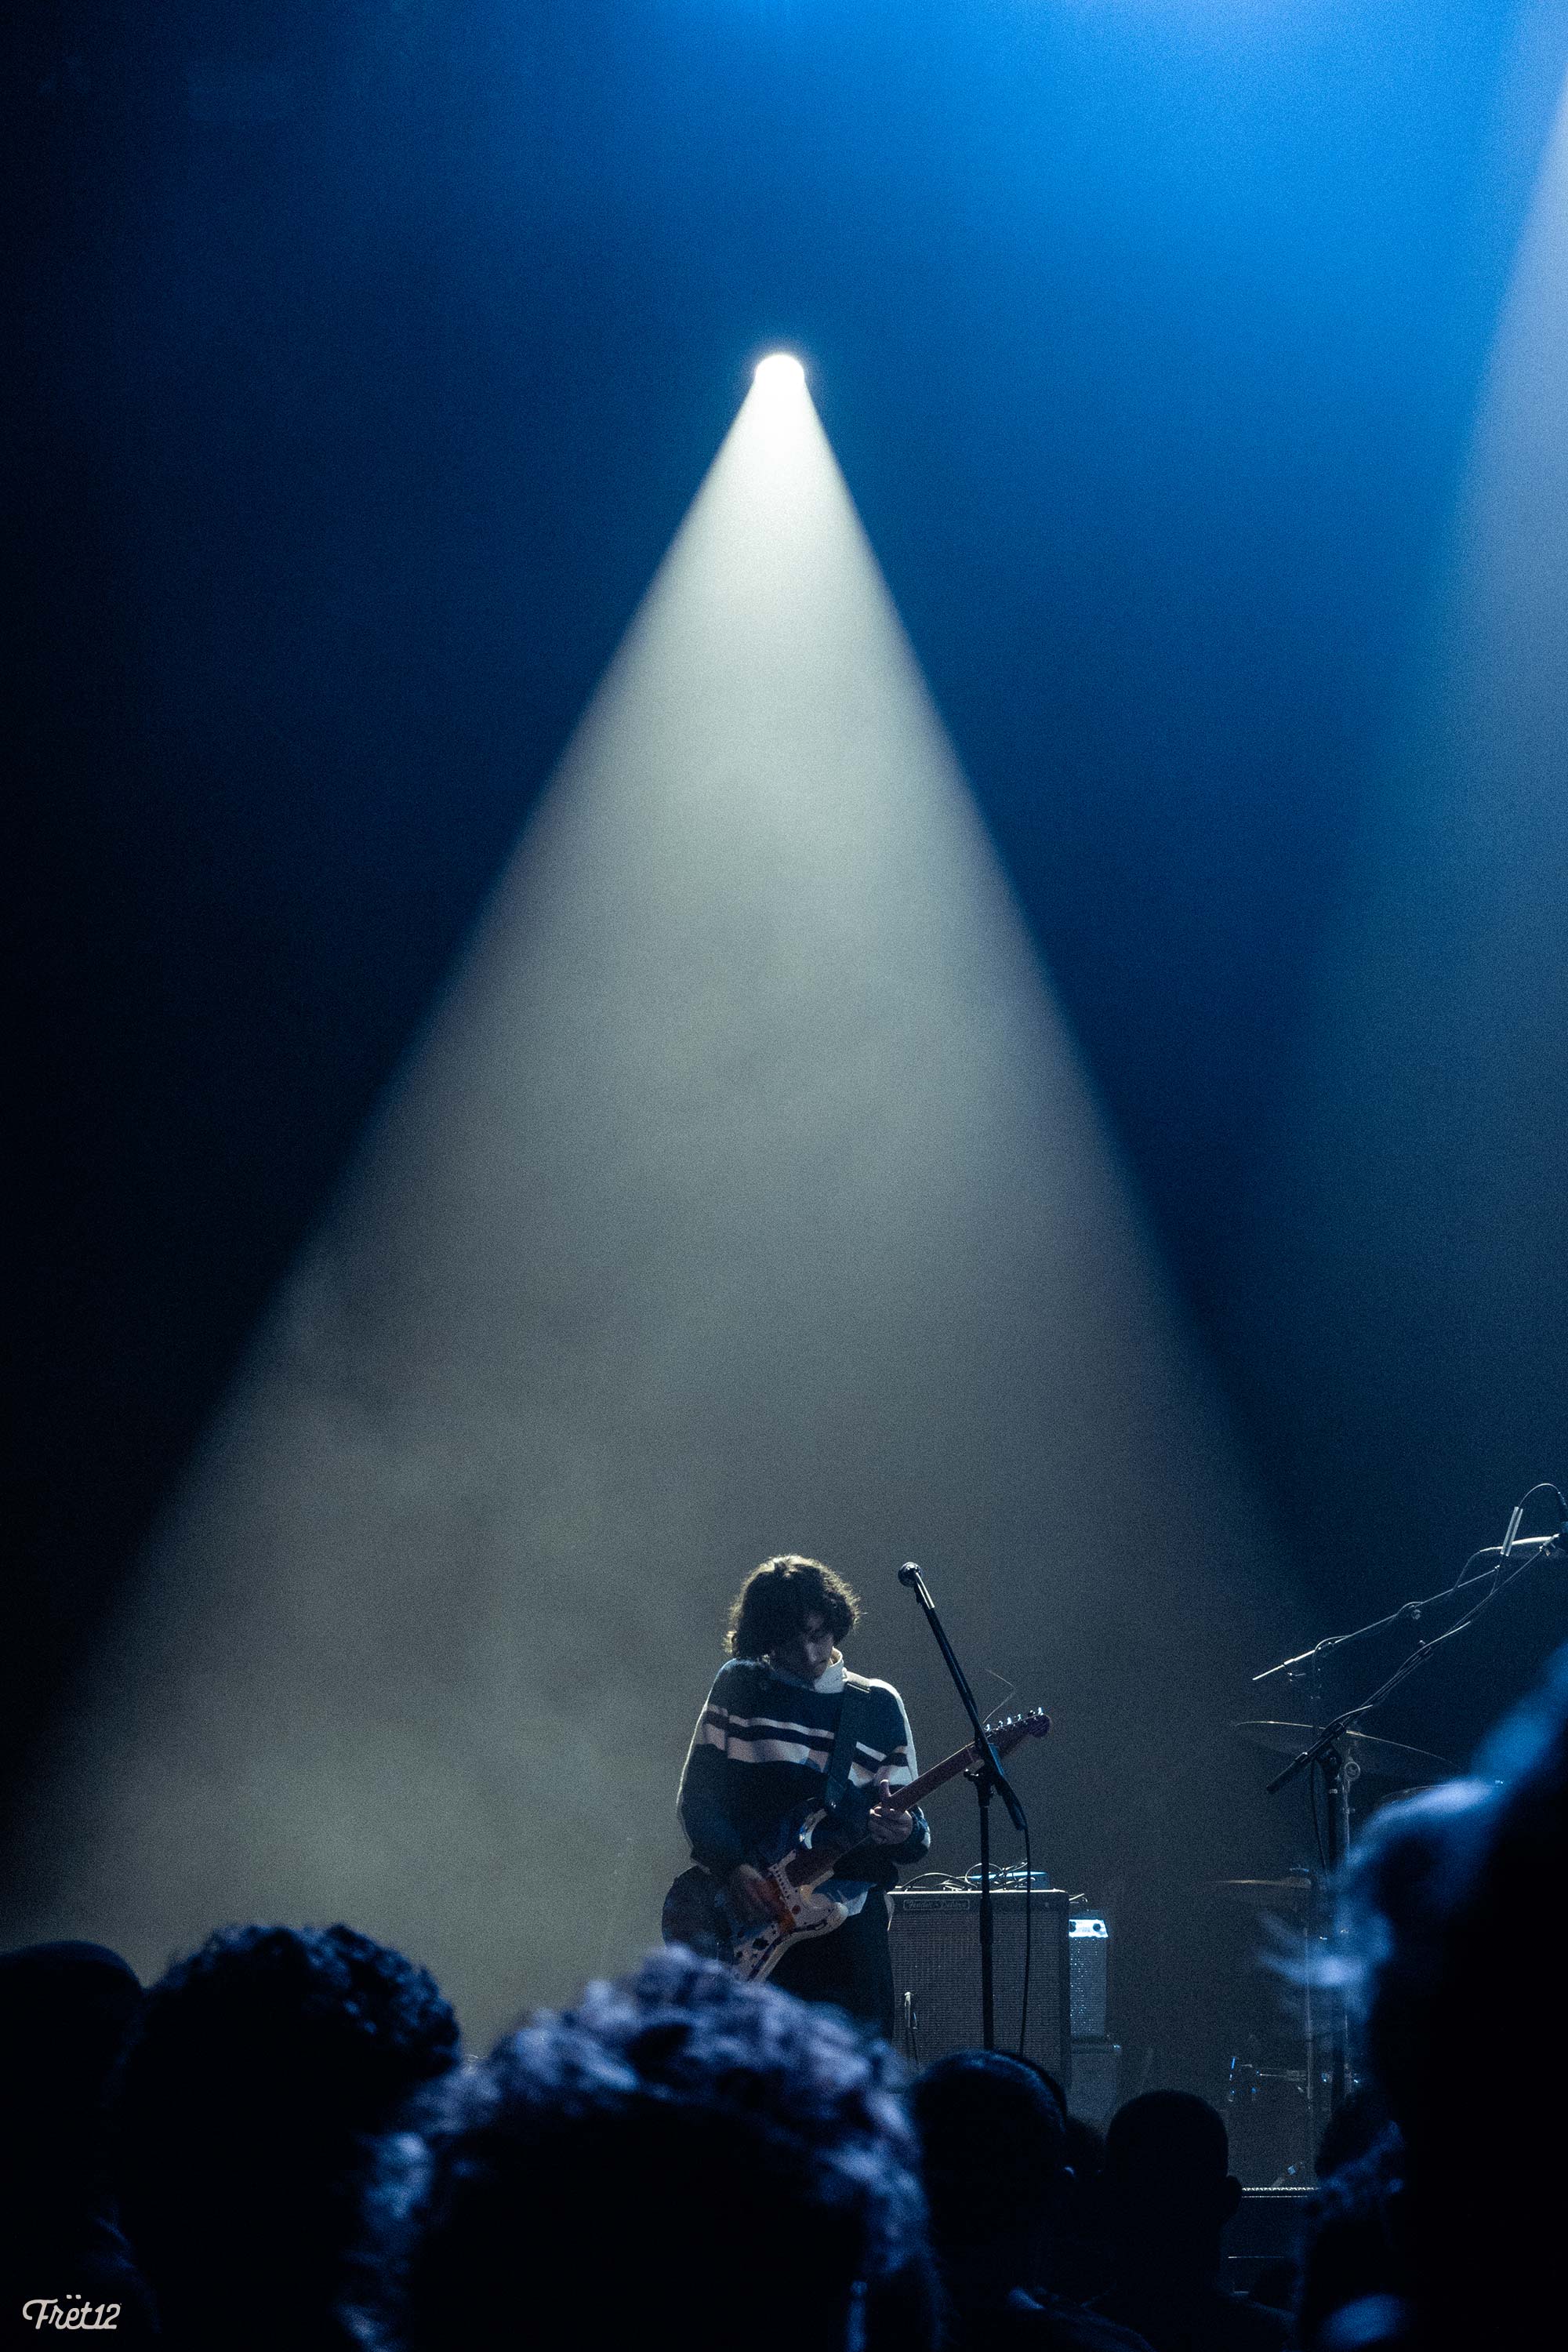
[810, 1865]
[950, 1766]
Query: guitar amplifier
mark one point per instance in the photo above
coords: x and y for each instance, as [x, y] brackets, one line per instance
[934, 1946]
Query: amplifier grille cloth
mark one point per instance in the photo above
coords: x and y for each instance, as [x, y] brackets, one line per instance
[934, 1946]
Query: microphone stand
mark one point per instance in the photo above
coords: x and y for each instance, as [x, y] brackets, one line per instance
[1497, 1584]
[1523, 1548]
[987, 1777]
[1327, 1754]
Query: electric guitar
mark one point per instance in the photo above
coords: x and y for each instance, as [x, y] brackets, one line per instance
[797, 1862]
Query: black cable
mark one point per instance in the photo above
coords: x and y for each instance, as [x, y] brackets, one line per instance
[1542, 1486]
[1028, 1935]
[1497, 1584]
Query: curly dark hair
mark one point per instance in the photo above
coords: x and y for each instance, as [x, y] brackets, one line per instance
[663, 2147]
[779, 1598]
[259, 2069]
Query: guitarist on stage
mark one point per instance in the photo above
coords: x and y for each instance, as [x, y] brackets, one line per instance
[764, 1748]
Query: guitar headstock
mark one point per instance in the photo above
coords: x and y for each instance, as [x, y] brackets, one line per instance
[1004, 1736]
[1013, 1729]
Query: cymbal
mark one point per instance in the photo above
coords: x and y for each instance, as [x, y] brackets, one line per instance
[1389, 1758]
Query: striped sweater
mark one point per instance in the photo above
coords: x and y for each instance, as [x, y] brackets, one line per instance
[761, 1752]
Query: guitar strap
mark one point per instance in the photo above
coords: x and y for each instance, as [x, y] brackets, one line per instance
[852, 1717]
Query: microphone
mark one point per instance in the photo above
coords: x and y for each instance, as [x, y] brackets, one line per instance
[910, 1573]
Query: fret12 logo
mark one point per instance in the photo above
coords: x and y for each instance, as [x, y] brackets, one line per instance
[75, 2313]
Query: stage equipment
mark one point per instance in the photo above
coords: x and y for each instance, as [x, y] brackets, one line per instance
[1266, 1894]
[1335, 1753]
[987, 1775]
[1096, 2079]
[936, 1995]
[1268, 2095]
[1267, 2231]
[1389, 1758]
[1269, 2119]
[1096, 2059]
[1088, 1957]
[1515, 1553]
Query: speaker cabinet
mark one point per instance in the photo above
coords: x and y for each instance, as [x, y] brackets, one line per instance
[1089, 1951]
[934, 1945]
[1096, 2077]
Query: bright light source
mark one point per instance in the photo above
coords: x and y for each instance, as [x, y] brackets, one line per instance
[780, 371]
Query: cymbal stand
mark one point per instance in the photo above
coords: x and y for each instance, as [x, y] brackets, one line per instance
[1326, 1757]
[1336, 1772]
[1325, 2027]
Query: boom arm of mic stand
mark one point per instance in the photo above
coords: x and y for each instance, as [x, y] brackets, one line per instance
[1524, 1549]
[1401, 1672]
[1337, 1641]
[1352, 1714]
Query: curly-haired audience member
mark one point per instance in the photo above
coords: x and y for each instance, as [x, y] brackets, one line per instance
[258, 2071]
[680, 2157]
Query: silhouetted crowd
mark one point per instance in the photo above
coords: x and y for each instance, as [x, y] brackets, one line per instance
[280, 2145]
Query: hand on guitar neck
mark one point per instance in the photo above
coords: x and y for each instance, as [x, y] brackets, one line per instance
[888, 1825]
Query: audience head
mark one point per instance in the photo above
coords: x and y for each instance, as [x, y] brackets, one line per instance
[993, 2142]
[258, 2068]
[1353, 2259]
[1399, 1896]
[678, 2142]
[1168, 2184]
[1449, 1898]
[65, 2011]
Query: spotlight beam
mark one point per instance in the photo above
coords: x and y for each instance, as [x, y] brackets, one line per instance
[745, 1194]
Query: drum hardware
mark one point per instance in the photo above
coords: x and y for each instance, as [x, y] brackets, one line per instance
[1268, 2118]
[1388, 1759]
[1266, 1894]
[1335, 1753]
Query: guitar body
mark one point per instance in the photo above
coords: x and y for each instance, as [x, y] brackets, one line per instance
[696, 1911]
[798, 1863]
[759, 1948]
